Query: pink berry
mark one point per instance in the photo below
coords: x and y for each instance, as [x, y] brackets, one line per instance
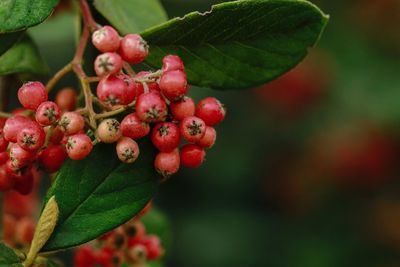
[127, 150]
[151, 107]
[133, 127]
[107, 63]
[165, 136]
[173, 84]
[183, 108]
[32, 94]
[112, 91]
[20, 157]
[211, 111]
[130, 87]
[32, 137]
[172, 62]
[66, 99]
[6, 181]
[133, 48]
[208, 140]
[167, 163]
[109, 131]
[48, 113]
[152, 86]
[192, 156]
[192, 128]
[153, 247]
[13, 126]
[71, 123]
[106, 39]
[79, 146]
[52, 158]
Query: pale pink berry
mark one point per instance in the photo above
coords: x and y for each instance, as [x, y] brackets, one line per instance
[127, 150]
[78, 146]
[32, 94]
[133, 48]
[133, 127]
[48, 113]
[109, 131]
[71, 123]
[107, 63]
[106, 39]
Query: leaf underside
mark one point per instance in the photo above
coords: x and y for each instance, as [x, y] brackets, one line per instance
[7, 40]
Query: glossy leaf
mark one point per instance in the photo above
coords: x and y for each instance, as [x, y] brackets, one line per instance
[239, 44]
[17, 15]
[98, 194]
[8, 258]
[7, 40]
[131, 16]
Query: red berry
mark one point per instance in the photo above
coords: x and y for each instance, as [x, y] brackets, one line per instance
[167, 163]
[165, 136]
[107, 63]
[127, 150]
[52, 158]
[208, 140]
[106, 39]
[24, 183]
[152, 86]
[173, 84]
[210, 110]
[153, 247]
[109, 131]
[172, 62]
[3, 157]
[9, 223]
[85, 257]
[151, 107]
[112, 91]
[32, 137]
[48, 113]
[183, 108]
[56, 135]
[6, 181]
[21, 157]
[66, 99]
[192, 128]
[133, 48]
[137, 253]
[32, 94]
[130, 87]
[192, 156]
[13, 126]
[2, 123]
[71, 123]
[133, 127]
[134, 228]
[24, 231]
[3, 143]
[79, 146]
[117, 240]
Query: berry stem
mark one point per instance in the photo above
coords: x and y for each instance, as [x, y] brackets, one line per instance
[115, 112]
[5, 114]
[129, 69]
[87, 15]
[58, 76]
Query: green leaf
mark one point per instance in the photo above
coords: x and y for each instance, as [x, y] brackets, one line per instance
[7, 40]
[131, 16]
[99, 193]
[16, 15]
[23, 57]
[8, 257]
[157, 223]
[239, 44]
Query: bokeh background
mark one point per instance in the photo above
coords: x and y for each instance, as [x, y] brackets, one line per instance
[305, 172]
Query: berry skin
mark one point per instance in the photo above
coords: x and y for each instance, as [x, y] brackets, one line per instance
[153, 86]
[3, 157]
[173, 84]
[183, 108]
[112, 91]
[20, 157]
[133, 48]
[167, 163]
[208, 140]
[127, 150]
[52, 158]
[56, 136]
[32, 94]
[109, 131]
[137, 253]
[6, 181]
[107, 63]
[211, 111]
[85, 257]
[79, 146]
[3, 143]
[71, 123]
[24, 231]
[13, 126]
[192, 156]
[153, 247]
[172, 62]
[48, 113]
[106, 39]
[24, 183]
[165, 136]
[133, 127]
[192, 129]
[130, 87]
[66, 99]
[151, 107]
[32, 137]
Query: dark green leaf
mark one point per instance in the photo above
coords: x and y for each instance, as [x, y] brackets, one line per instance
[99, 193]
[7, 40]
[23, 57]
[131, 16]
[17, 15]
[239, 44]
[8, 257]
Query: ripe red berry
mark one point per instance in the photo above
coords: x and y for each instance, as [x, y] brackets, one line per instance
[52, 158]
[6, 181]
[106, 39]
[183, 108]
[32, 94]
[48, 113]
[32, 137]
[71, 123]
[172, 62]
[56, 135]
[3, 143]
[152, 86]
[130, 87]
[167, 163]
[66, 99]
[112, 91]
[192, 128]
[127, 150]
[20, 157]
[208, 140]
[9, 223]
[153, 247]
[192, 156]
[78, 146]
[173, 84]
[85, 257]
[133, 127]
[13, 126]
[134, 228]
[3, 157]
[210, 110]
[133, 48]
[24, 182]
[151, 107]
[107, 63]
[24, 231]
[105, 257]
[165, 136]
[109, 131]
